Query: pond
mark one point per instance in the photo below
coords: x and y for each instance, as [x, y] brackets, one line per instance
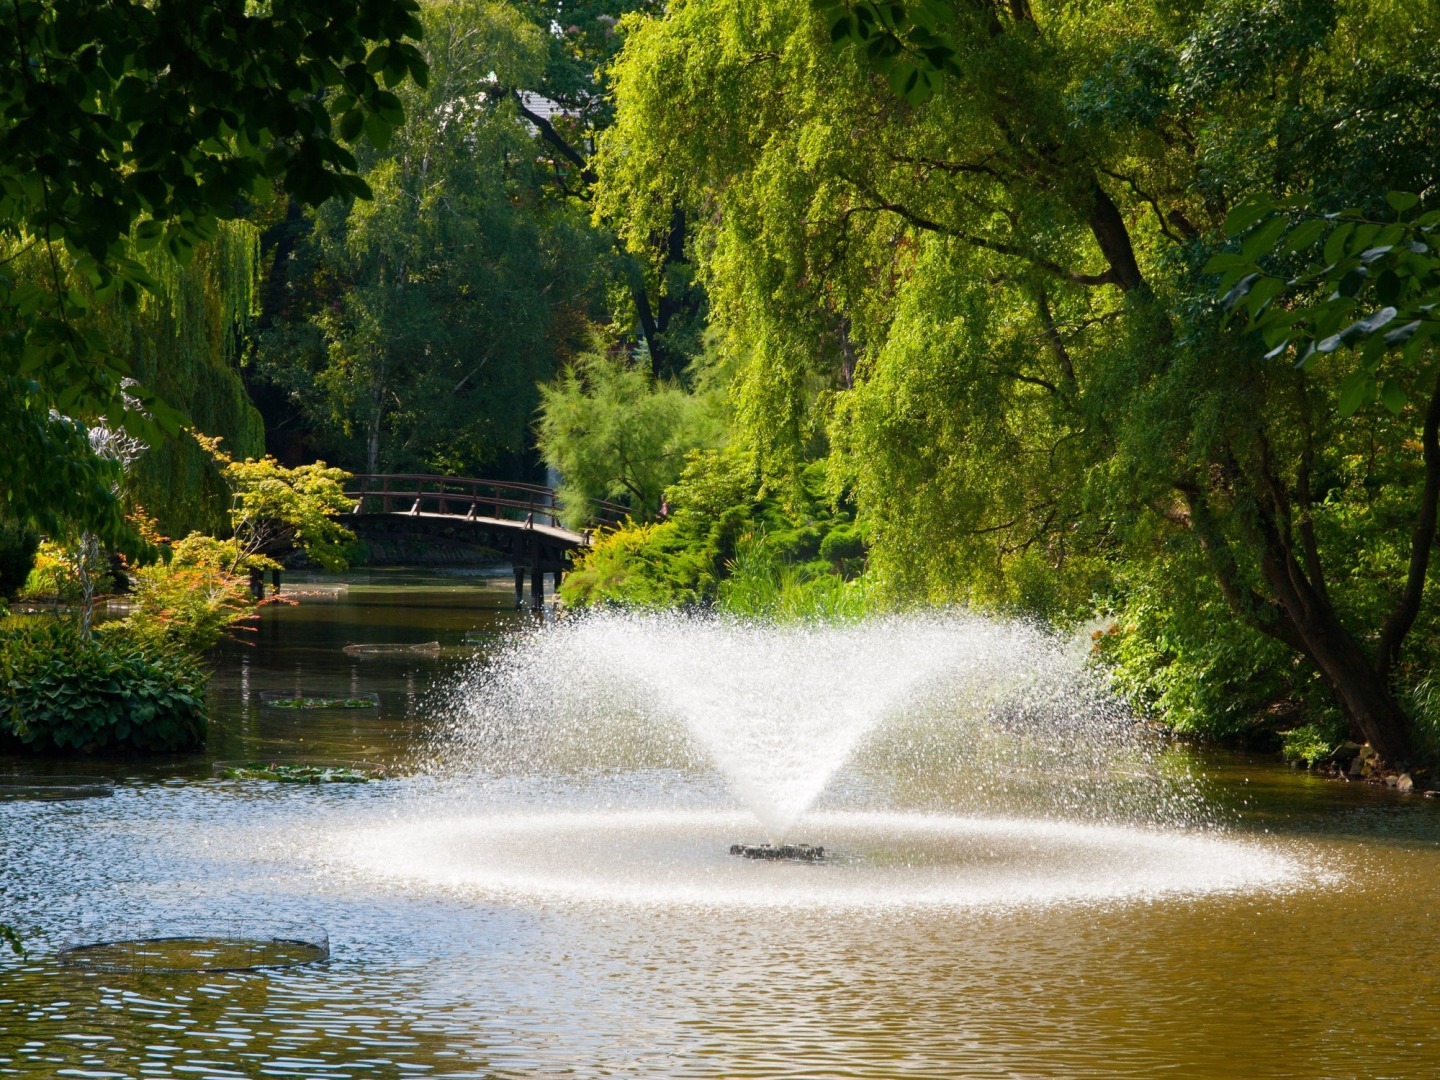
[570, 918]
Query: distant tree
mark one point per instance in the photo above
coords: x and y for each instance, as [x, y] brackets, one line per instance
[418, 324]
[612, 431]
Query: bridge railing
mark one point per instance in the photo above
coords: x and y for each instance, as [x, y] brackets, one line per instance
[415, 493]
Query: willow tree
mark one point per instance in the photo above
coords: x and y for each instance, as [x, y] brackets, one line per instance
[126, 127]
[986, 225]
[184, 340]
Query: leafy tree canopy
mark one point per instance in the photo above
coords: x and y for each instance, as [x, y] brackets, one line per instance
[126, 126]
[612, 432]
[982, 230]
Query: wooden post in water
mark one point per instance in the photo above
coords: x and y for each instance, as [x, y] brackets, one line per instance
[558, 575]
[519, 586]
[257, 583]
[537, 582]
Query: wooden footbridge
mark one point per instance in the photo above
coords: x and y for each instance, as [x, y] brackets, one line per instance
[517, 520]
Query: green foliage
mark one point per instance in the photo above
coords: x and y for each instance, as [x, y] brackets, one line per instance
[1176, 652]
[273, 507]
[1370, 285]
[184, 341]
[615, 433]
[416, 326]
[1311, 743]
[724, 542]
[136, 127]
[18, 546]
[761, 584]
[649, 566]
[190, 601]
[61, 691]
[11, 937]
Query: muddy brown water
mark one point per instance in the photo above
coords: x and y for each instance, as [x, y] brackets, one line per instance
[1333, 974]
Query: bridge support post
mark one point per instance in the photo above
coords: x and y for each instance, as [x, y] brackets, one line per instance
[537, 585]
[519, 586]
[558, 575]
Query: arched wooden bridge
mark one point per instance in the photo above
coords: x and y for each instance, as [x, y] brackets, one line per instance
[515, 519]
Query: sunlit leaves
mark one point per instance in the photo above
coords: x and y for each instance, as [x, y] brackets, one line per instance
[1347, 283]
[907, 42]
[130, 127]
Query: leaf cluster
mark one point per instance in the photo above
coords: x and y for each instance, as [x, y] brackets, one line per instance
[274, 507]
[1312, 285]
[61, 691]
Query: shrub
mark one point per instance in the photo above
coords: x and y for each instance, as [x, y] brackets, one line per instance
[191, 601]
[762, 584]
[18, 546]
[1312, 742]
[722, 526]
[61, 690]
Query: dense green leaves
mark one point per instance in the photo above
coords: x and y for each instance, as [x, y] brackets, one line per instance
[415, 326]
[157, 120]
[1371, 287]
[62, 691]
[612, 432]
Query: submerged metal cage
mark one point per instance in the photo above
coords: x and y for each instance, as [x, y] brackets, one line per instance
[52, 788]
[200, 944]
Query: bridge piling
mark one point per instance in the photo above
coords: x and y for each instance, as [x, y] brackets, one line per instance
[519, 586]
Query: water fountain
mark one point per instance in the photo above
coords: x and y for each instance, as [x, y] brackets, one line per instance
[943, 759]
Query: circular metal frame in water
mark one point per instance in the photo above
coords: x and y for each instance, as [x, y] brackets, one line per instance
[55, 788]
[199, 945]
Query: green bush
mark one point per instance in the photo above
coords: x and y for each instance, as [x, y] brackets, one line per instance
[843, 548]
[62, 691]
[17, 555]
[762, 584]
[1314, 741]
[788, 556]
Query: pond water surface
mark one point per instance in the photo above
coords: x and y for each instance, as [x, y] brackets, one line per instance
[1326, 970]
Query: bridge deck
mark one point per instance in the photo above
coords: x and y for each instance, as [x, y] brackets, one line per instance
[559, 536]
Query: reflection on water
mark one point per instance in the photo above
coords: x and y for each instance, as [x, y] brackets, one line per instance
[1324, 972]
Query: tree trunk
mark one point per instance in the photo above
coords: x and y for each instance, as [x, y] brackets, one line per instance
[1300, 615]
[1360, 690]
[1107, 225]
[1359, 687]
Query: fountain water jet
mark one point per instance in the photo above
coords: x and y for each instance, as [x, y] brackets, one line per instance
[942, 759]
[779, 710]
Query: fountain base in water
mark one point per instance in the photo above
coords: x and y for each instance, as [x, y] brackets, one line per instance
[794, 852]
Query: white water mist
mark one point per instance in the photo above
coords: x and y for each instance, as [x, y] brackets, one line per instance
[779, 710]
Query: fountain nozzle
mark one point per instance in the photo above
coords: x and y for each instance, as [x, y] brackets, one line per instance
[794, 852]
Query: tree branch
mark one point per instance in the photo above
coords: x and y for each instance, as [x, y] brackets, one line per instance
[1000, 247]
[1263, 615]
[1402, 618]
[1057, 344]
[547, 132]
